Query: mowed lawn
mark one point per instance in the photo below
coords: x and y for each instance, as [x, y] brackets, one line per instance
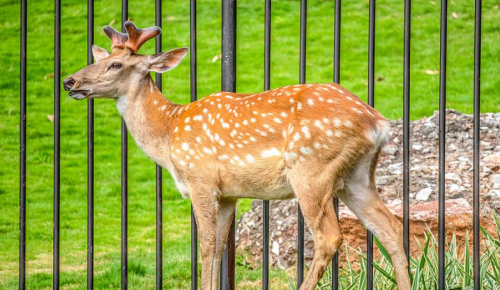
[250, 50]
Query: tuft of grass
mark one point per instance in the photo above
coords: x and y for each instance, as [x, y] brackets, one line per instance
[424, 268]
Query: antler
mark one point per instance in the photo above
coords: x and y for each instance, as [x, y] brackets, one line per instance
[133, 39]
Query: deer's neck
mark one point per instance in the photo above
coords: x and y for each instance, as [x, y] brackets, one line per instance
[150, 118]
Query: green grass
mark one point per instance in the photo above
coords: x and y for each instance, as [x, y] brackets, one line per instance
[284, 71]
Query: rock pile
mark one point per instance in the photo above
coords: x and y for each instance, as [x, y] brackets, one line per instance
[423, 185]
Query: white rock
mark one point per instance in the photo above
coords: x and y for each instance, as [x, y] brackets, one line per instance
[276, 248]
[417, 147]
[453, 176]
[454, 187]
[424, 194]
[396, 168]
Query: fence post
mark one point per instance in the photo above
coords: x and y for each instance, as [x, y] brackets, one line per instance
[124, 182]
[229, 85]
[22, 147]
[57, 143]
[90, 154]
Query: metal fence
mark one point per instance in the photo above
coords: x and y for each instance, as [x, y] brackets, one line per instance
[229, 84]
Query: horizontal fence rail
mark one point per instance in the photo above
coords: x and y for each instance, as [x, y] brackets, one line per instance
[228, 83]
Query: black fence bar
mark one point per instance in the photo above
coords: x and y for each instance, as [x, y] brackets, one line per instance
[228, 67]
[124, 181]
[302, 80]
[90, 154]
[406, 130]
[194, 92]
[267, 86]
[442, 145]
[57, 143]
[22, 146]
[371, 102]
[477, 124]
[159, 185]
[336, 79]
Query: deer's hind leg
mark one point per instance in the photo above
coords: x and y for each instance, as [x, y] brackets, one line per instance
[316, 203]
[362, 198]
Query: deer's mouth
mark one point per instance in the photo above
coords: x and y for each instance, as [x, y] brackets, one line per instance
[79, 94]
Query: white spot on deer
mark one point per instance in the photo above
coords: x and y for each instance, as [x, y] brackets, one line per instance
[155, 102]
[306, 150]
[296, 137]
[176, 129]
[348, 123]
[299, 106]
[318, 124]
[349, 98]
[292, 100]
[183, 163]
[305, 130]
[187, 128]
[283, 114]
[218, 94]
[185, 146]
[329, 101]
[317, 145]
[253, 139]
[310, 102]
[250, 158]
[252, 120]
[237, 125]
[191, 151]
[338, 133]
[277, 120]
[271, 152]
[290, 155]
[198, 139]
[231, 146]
[239, 145]
[357, 111]
[337, 122]
[329, 133]
[207, 150]
[326, 121]
[225, 125]
[223, 157]
[191, 165]
[187, 119]
[219, 106]
[205, 110]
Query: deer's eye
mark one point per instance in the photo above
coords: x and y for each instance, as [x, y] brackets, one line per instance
[116, 65]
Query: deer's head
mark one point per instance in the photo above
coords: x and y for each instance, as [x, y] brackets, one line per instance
[114, 74]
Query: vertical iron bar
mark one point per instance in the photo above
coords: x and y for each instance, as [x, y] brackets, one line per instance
[336, 78]
[159, 185]
[22, 147]
[477, 124]
[229, 85]
[371, 102]
[90, 155]
[124, 182]
[267, 86]
[194, 92]
[442, 144]
[302, 80]
[406, 131]
[57, 142]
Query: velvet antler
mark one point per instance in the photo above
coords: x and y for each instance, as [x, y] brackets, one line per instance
[133, 39]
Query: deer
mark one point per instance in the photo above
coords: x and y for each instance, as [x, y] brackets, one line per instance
[313, 142]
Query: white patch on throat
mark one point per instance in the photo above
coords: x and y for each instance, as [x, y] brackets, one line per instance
[122, 104]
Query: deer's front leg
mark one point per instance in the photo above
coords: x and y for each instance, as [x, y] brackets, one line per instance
[225, 213]
[205, 211]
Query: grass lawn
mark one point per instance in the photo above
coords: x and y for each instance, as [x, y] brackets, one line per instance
[284, 71]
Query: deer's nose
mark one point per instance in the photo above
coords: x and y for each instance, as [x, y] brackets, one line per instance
[69, 82]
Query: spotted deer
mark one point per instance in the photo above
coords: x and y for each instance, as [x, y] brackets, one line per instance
[313, 142]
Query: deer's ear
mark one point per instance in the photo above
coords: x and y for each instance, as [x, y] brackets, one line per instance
[166, 61]
[99, 53]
